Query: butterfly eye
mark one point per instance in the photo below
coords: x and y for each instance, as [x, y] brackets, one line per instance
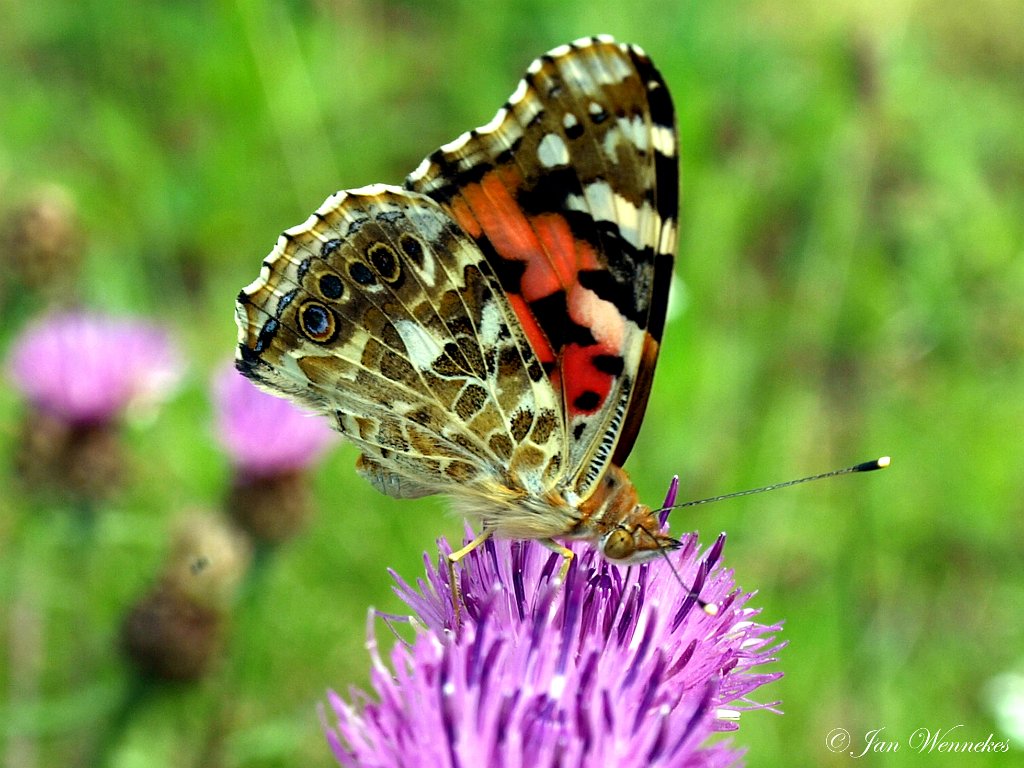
[412, 248]
[384, 261]
[317, 322]
[618, 545]
[361, 273]
[331, 286]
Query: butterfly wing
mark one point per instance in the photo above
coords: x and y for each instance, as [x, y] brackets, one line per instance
[494, 326]
[382, 313]
[571, 193]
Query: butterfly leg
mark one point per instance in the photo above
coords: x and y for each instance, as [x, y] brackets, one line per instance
[454, 558]
[566, 554]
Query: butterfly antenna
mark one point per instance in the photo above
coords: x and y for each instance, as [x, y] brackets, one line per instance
[710, 608]
[864, 466]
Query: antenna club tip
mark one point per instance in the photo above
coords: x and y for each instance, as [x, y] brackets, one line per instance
[869, 466]
[710, 609]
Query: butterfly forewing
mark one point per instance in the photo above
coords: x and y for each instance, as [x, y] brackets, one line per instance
[571, 192]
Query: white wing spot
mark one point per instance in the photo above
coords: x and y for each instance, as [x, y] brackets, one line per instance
[667, 244]
[420, 346]
[457, 143]
[518, 93]
[604, 205]
[494, 123]
[490, 324]
[552, 151]
[664, 140]
[635, 131]
[421, 170]
[429, 272]
[569, 121]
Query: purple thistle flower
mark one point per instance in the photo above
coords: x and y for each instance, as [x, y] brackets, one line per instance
[87, 368]
[262, 434]
[616, 667]
[271, 444]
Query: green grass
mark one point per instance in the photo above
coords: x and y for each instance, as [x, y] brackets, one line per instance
[851, 283]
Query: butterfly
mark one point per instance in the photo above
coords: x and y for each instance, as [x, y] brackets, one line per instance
[490, 329]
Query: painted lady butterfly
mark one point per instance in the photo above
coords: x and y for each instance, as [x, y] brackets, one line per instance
[490, 329]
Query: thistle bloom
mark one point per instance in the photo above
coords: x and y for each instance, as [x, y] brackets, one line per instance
[81, 372]
[270, 443]
[616, 667]
[87, 368]
[265, 435]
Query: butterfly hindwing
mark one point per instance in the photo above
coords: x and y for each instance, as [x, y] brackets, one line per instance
[381, 312]
[571, 193]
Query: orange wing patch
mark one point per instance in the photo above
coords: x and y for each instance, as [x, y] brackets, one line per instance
[571, 193]
[553, 259]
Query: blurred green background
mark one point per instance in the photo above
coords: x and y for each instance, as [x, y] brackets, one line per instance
[850, 284]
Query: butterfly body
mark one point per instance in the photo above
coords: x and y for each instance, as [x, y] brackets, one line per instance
[489, 330]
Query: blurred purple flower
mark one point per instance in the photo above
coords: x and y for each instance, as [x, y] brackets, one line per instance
[86, 368]
[262, 434]
[617, 667]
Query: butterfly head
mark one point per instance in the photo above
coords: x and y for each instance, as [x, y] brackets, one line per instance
[636, 539]
[626, 530]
